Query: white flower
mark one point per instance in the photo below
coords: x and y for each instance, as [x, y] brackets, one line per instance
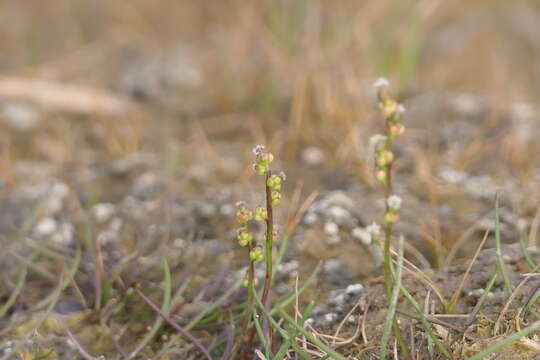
[374, 229]
[401, 109]
[381, 82]
[376, 139]
[394, 202]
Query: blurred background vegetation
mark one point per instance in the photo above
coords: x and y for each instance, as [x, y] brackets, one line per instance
[153, 107]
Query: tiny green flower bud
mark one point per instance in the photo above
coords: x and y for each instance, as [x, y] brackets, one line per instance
[260, 213]
[243, 215]
[274, 182]
[381, 160]
[256, 254]
[276, 198]
[389, 108]
[266, 158]
[388, 156]
[244, 238]
[259, 169]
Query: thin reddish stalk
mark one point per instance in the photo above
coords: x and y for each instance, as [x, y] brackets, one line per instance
[265, 299]
[175, 325]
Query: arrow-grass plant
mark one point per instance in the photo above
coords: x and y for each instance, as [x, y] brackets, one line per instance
[262, 213]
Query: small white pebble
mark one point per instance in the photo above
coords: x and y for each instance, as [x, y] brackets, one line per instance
[362, 235]
[331, 228]
[65, 234]
[310, 218]
[45, 227]
[330, 317]
[309, 322]
[312, 156]
[19, 116]
[103, 211]
[354, 289]
[226, 210]
[338, 214]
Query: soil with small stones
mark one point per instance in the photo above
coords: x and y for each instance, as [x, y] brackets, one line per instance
[356, 318]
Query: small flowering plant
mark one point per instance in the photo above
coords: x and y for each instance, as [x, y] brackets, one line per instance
[264, 214]
[391, 112]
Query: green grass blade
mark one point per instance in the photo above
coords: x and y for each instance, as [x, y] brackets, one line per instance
[526, 255]
[14, 293]
[481, 301]
[214, 305]
[260, 333]
[390, 315]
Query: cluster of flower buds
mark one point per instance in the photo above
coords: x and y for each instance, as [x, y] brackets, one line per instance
[390, 109]
[391, 112]
[393, 205]
[256, 254]
[243, 215]
[274, 182]
[383, 157]
[260, 213]
[263, 159]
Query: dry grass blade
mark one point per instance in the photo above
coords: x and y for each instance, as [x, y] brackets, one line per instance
[58, 96]
[508, 341]
[461, 240]
[455, 295]
[507, 305]
[419, 274]
[534, 228]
